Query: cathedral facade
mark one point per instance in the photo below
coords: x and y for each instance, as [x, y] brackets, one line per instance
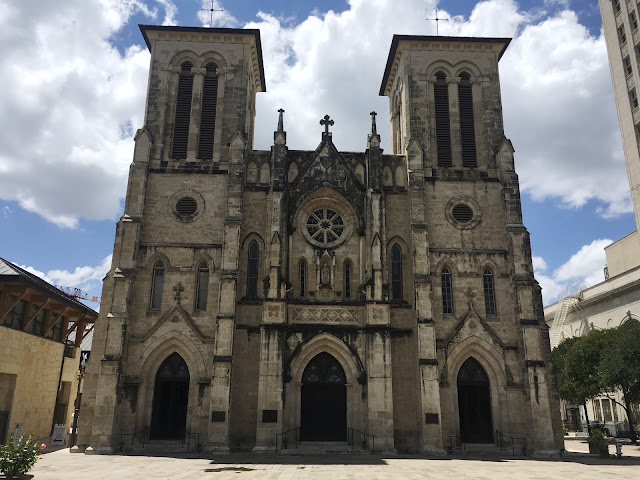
[321, 292]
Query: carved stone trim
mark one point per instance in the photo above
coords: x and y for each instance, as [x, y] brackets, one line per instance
[324, 314]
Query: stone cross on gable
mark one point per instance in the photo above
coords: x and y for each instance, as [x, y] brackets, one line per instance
[178, 289]
[373, 123]
[327, 123]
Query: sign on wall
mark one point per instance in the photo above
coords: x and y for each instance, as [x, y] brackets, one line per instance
[17, 433]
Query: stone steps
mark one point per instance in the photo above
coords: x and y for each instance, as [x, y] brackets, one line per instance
[323, 448]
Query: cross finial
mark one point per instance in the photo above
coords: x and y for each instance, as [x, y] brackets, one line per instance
[373, 123]
[212, 10]
[437, 20]
[178, 289]
[327, 123]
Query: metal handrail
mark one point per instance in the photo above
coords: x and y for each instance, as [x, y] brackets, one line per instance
[500, 442]
[457, 445]
[284, 438]
[188, 436]
[365, 438]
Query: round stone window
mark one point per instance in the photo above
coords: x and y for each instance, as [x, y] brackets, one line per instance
[186, 205]
[463, 212]
[325, 221]
[325, 225]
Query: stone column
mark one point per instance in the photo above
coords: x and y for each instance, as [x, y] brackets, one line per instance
[379, 377]
[454, 122]
[196, 113]
[269, 421]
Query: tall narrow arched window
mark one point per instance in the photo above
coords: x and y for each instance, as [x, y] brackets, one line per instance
[183, 112]
[467, 129]
[202, 286]
[302, 277]
[396, 272]
[208, 119]
[157, 283]
[252, 270]
[489, 292]
[347, 280]
[443, 129]
[447, 291]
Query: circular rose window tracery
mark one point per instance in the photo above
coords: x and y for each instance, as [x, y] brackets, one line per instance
[325, 225]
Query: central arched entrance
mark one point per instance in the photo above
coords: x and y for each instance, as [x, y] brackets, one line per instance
[170, 398]
[323, 413]
[474, 403]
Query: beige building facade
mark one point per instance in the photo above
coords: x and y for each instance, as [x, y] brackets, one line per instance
[39, 363]
[321, 292]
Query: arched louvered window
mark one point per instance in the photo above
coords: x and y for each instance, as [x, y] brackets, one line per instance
[157, 283]
[443, 131]
[347, 279]
[183, 112]
[302, 277]
[252, 270]
[467, 129]
[396, 272]
[202, 287]
[489, 292]
[208, 119]
[447, 291]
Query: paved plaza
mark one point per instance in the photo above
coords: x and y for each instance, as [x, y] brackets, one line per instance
[575, 464]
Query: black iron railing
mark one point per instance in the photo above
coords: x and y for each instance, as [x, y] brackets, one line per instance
[288, 438]
[363, 439]
[455, 444]
[187, 439]
[505, 441]
[127, 439]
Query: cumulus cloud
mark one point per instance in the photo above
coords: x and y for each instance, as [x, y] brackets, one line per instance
[73, 100]
[586, 265]
[85, 278]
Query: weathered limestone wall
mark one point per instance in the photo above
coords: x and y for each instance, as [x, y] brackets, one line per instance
[36, 363]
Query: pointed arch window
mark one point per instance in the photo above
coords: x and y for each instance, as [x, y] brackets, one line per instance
[157, 284]
[183, 112]
[447, 291]
[489, 292]
[202, 288]
[302, 277]
[443, 131]
[252, 270]
[396, 272]
[208, 118]
[347, 279]
[467, 129]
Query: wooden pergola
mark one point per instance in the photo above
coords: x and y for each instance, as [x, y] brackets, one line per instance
[16, 285]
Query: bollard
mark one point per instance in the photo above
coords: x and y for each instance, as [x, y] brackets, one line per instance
[618, 448]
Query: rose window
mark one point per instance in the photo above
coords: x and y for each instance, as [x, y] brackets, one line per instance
[325, 225]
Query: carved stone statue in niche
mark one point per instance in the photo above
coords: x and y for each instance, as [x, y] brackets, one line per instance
[325, 275]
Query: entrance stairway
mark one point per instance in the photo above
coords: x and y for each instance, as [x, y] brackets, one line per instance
[323, 448]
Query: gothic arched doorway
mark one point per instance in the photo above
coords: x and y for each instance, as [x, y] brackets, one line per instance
[170, 398]
[474, 403]
[323, 412]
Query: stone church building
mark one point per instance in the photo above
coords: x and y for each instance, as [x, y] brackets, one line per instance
[258, 292]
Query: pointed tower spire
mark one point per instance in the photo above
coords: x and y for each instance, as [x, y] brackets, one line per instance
[280, 131]
[373, 139]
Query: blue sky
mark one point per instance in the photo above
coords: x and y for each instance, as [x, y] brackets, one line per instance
[74, 77]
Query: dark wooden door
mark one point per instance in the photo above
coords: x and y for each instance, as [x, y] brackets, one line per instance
[170, 400]
[474, 403]
[4, 419]
[323, 415]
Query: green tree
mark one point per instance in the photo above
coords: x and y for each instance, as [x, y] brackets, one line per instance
[620, 367]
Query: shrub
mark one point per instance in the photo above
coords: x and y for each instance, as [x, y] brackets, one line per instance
[598, 443]
[15, 461]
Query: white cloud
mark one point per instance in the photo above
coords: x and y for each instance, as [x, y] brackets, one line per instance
[586, 265]
[72, 101]
[85, 278]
